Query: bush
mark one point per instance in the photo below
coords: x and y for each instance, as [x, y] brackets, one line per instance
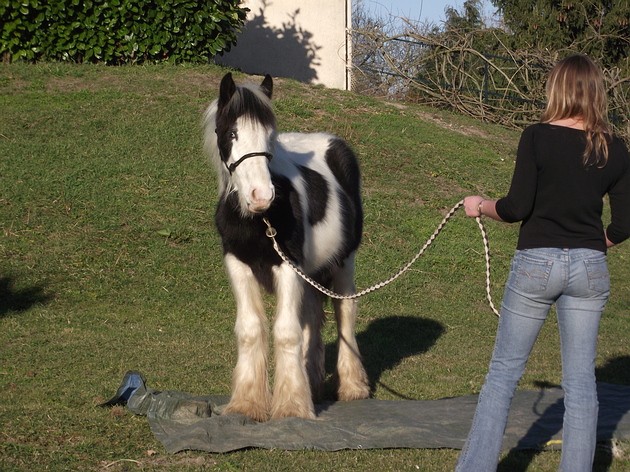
[118, 31]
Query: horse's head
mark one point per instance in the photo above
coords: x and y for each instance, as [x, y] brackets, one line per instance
[240, 127]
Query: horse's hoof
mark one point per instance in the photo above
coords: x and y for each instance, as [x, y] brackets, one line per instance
[293, 410]
[255, 412]
[358, 391]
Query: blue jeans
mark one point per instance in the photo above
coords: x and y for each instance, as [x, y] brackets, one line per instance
[577, 281]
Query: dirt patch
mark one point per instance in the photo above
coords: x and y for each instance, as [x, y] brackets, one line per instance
[155, 461]
[105, 79]
[438, 120]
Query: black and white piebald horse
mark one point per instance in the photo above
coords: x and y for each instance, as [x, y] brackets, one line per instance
[308, 186]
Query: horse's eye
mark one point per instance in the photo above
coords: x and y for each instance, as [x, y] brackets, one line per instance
[233, 135]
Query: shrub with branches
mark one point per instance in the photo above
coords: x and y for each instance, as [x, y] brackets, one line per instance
[476, 71]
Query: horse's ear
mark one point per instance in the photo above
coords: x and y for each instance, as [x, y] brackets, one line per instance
[226, 89]
[267, 85]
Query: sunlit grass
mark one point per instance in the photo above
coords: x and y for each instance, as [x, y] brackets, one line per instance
[109, 261]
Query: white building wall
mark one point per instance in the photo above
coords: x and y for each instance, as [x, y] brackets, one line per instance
[302, 39]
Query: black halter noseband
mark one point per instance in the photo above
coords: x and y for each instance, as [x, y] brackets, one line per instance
[234, 165]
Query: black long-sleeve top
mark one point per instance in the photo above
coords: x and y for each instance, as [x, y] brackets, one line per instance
[558, 199]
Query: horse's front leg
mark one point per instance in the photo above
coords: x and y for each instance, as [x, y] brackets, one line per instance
[250, 385]
[352, 379]
[291, 392]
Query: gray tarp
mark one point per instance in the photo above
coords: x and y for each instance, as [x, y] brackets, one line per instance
[181, 421]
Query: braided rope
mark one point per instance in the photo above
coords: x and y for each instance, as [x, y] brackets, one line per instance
[271, 233]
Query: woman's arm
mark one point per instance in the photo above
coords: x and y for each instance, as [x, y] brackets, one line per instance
[476, 205]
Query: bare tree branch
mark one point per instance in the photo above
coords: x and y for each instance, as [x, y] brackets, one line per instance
[451, 71]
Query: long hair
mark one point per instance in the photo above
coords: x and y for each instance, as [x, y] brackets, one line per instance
[575, 89]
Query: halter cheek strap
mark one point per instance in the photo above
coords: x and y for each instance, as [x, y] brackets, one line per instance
[234, 165]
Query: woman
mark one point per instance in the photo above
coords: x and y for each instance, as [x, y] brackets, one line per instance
[564, 166]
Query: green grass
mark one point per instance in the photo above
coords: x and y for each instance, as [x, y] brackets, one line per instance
[109, 261]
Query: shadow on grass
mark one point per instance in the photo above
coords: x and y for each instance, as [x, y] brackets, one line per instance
[615, 371]
[385, 343]
[15, 301]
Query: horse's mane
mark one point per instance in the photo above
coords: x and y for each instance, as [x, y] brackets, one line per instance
[210, 144]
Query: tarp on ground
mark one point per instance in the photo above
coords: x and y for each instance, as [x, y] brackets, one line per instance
[181, 421]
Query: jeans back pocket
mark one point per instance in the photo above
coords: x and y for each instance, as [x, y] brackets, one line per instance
[530, 275]
[597, 274]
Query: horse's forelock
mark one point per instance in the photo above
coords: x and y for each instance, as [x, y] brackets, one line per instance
[251, 103]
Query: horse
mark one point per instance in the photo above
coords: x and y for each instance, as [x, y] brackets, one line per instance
[308, 186]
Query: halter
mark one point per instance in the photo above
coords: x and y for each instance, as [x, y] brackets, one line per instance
[234, 165]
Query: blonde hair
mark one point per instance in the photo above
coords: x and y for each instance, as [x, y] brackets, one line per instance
[575, 89]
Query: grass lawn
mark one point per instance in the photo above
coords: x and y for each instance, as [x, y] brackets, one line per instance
[109, 261]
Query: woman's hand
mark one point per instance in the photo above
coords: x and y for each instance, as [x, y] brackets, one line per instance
[473, 205]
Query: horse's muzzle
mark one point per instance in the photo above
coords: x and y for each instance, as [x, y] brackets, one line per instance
[261, 200]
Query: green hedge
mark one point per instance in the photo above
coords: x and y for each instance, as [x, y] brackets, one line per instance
[118, 31]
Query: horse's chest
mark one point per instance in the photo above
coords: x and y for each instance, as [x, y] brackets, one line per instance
[244, 237]
[313, 247]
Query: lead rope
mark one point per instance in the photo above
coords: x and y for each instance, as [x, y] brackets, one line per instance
[271, 233]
